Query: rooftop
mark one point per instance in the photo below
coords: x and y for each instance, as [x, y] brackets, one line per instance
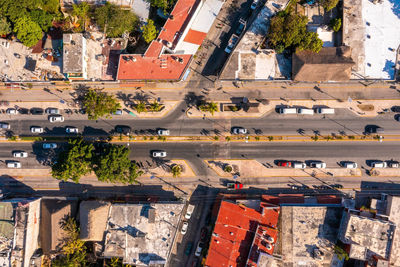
[393, 211]
[93, 217]
[235, 230]
[330, 64]
[370, 236]
[142, 234]
[74, 46]
[308, 234]
[53, 212]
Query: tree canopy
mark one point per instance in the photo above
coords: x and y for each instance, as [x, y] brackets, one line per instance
[328, 4]
[288, 30]
[113, 165]
[99, 104]
[5, 26]
[114, 20]
[74, 162]
[165, 5]
[149, 31]
[28, 31]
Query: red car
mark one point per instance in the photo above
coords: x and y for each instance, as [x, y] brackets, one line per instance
[234, 185]
[284, 164]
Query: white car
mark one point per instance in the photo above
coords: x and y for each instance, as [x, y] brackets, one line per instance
[71, 130]
[318, 164]
[36, 129]
[239, 130]
[14, 164]
[199, 248]
[4, 125]
[58, 118]
[378, 164]
[299, 165]
[20, 154]
[163, 132]
[117, 112]
[12, 111]
[49, 145]
[349, 165]
[184, 228]
[159, 154]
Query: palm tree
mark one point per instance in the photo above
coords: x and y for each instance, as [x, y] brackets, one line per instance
[141, 107]
[176, 170]
[212, 107]
[155, 106]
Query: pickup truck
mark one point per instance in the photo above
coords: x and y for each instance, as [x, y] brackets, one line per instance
[232, 43]
[234, 186]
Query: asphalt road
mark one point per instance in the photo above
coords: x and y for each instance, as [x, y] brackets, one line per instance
[343, 122]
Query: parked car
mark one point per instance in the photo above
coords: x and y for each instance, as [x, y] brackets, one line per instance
[188, 248]
[284, 163]
[378, 164]
[184, 228]
[299, 165]
[240, 28]
[199, 249]
[163, 132]
[396, 109]
[159, 154]
[12, 111]
[117, 112]
[49, 145]
[189, 211]
[36, 129]
[14, 164]
[36, 111]
[56, 118]
[318, 164]
[4, 125]
[52, 111]
[234, 186]
[254, 4]
[239, 130]
[71, 130]
[232, 43]
[123, 129]
[348, 164]
[337, 186]
[393, 164]
[20, 154]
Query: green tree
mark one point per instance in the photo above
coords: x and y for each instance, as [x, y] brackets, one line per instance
[336, 24]
[311, 42]
[328, 4]
[165, 5]
[114, 20]
[211, 107]
[5, 26]
[228, 168]
[155, 106]
[113, 165]
[51, 6]
[28, 31]
[98, 104]
[43, 19]
[74, 162]
[176, 170]
[149, 31]
[141, 107]
[81, 10]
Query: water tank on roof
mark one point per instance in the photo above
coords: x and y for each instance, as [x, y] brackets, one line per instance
[268, 246]
[270, 239]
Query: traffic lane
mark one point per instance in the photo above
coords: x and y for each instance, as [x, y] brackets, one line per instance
[330, 152]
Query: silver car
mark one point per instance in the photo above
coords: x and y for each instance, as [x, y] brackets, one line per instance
[52, 111]
[56, 118]
[20, 154]
[36, 129]
[49, 145]
[239, 130]
[4, 125]
[159, 154]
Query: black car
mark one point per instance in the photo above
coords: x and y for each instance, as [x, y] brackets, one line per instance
[123, 129]
[396, 109]
[37, 111]
[373, 129]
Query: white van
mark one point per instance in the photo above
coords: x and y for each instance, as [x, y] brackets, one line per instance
[287, 110]
[299, 165]
[305, 111]
[325, 110]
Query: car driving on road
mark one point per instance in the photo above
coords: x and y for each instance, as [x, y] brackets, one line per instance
[20, 154]
[163, 132]
[14, 164]
[49, 145]
[36, 129]
[239, 130]
[159, 154]
[123, 129]
[56, 118]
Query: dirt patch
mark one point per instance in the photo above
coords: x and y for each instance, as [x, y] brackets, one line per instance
[366, 107]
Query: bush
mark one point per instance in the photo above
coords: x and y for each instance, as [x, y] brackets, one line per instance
[336, 24]
[228, 168]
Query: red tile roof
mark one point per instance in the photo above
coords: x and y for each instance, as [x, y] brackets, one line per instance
[264, 238]
[195, 37]
[234, 232]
